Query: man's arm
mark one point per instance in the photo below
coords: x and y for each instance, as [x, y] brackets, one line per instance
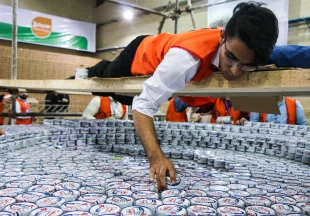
[171, 75]
[92, 109]
[159, 164]
[300, 115]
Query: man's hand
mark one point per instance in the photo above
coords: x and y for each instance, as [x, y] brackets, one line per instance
[241, 121]
[159, 168]
[1, 132]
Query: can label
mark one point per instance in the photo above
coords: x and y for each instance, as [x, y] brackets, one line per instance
[136, 211]
[75, 206]
[46, 211]
[105, 209]
[50, 201]
[93, 198]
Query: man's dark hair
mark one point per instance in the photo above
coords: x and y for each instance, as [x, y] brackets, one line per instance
[256, 26]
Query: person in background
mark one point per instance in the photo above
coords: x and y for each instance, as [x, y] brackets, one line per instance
[56, 102]
[23, 106]
[291, 113]
[175, 59]
[105, 108]
[3, 99]
[215, 106]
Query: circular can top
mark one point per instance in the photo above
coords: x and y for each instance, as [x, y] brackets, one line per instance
[136, 211]
[231, 201]
[46, 211]
[11, 192]
[205, 201]
[29, 197]
[197, 210]
[283, 209]
[50, 201]
[257, 201]
[150, 203]
[67, 186]
[93, 198]
[75, 206]
[173, 192]
[77, 213]
[181, 201]
[259, 211]
[164, 210]
[21, 208]
[4, 201]
[145, 194]
[102, 209]
[230, 210]
[282, 200]
[119, 192]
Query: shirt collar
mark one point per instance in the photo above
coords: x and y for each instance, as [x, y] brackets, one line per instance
[216, 59]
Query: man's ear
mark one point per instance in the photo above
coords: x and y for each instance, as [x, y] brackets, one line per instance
[222, 38]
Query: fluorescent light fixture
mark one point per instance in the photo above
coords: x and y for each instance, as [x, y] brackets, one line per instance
[128, 15]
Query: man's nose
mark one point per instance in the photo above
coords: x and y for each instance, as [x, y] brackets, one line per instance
[236, 70]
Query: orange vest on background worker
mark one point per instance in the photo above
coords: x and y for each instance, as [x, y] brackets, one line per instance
[290, 109]
[174, 116]
[24, 108]
[197, 101]
[1, 110]
[105, 109]
[220, 109]
[202, 43]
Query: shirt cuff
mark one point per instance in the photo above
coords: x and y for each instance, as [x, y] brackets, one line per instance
[144, 106]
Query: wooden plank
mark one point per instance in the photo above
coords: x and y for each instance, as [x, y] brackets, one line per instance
[267, 83]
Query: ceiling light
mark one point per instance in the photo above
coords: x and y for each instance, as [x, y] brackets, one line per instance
[128, 15]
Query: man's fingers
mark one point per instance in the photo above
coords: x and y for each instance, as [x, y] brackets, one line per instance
[172, 174]
[162, 177]
[152, 174]
[159, 188]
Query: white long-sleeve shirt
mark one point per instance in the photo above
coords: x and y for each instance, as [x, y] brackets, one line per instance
[94, 106]
[177, 68]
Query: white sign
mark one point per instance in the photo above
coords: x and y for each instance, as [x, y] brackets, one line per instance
[220, 14]
[49, 30]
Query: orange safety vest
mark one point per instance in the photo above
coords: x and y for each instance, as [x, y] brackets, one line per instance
[290, 109]
[174, 116]
[105, 109]
[220, 110]
[197, 101]
[24, 108]
[202, 43]
[1, 110]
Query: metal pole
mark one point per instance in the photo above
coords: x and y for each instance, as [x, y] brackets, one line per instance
[176, 16]
[206, 5]
[138, 7]
[14, 58]
[189, 3]
[43, 114]
[161, 23]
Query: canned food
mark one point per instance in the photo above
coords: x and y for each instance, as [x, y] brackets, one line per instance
[67, 186]
[41, 188]
[50, 201]
[31, 197]
[68, 195]
[144, 195]
[22, 209]
[257, 201]
[77, 213]
[152, 204]
[205, 201]
[197, 210]
[119, 192]
[165, 210]
[121, 201]
[105, 209]
[93, 198]
[230, 210]
[4, 201]
[172, 193]
[231, 201]
[259, 211]
[283, 209]
[10, 192]
[46, 211]
[75, 206]
[136, 211]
